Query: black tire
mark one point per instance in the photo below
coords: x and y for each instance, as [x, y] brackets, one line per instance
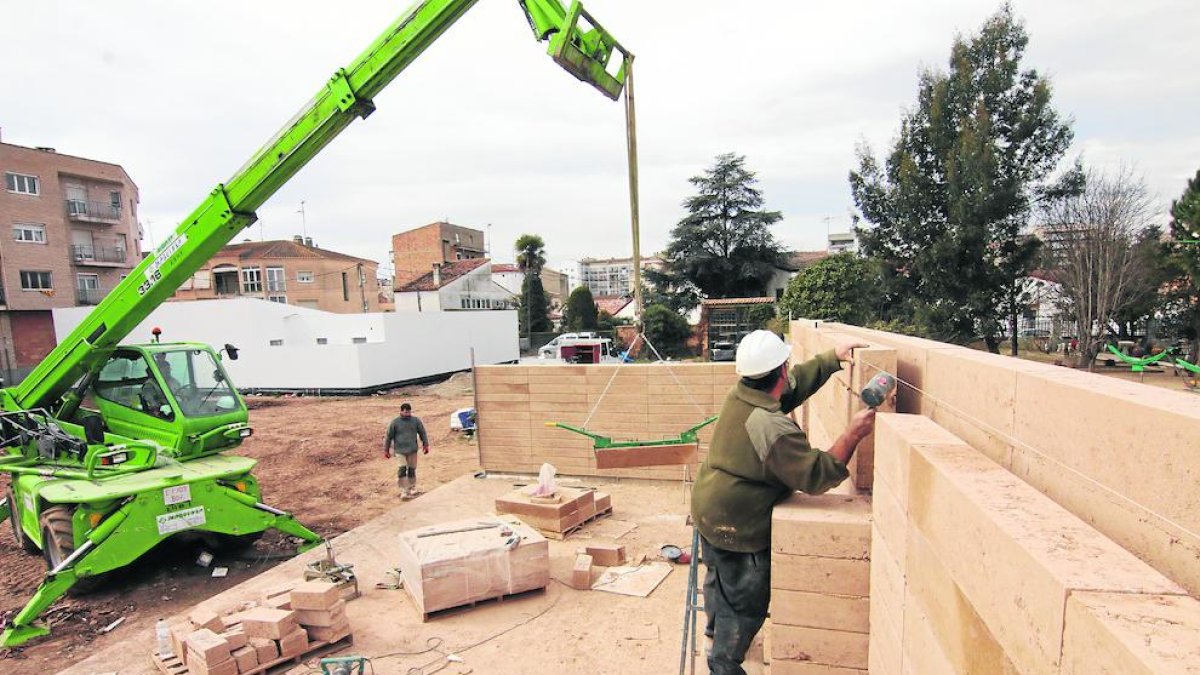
[18, 534]
[58, 543]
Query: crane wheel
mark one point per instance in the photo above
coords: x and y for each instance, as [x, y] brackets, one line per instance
[15, 520]
[58, 543]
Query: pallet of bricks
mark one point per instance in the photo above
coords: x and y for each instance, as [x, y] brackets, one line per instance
[286, 625]
[559, 515]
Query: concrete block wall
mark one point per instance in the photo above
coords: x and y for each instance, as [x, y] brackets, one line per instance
[975, 571]
[1122, 456]
[827, 413]
[643, 402]
[820, 585]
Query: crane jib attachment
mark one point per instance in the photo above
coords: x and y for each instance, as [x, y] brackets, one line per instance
[576, 42]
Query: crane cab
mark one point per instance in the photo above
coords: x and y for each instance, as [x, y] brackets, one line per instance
[175, 394]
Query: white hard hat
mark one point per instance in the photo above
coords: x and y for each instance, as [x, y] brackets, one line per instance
[759, 353]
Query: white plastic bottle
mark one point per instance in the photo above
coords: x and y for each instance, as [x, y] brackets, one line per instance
[163, 633]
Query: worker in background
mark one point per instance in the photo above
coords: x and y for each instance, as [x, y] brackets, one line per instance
[757, 458]
[402, 436]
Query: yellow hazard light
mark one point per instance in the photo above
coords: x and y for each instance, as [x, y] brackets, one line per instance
[94, 519]
[240, 486]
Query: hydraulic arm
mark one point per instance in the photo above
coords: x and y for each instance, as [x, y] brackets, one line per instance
[577, 43]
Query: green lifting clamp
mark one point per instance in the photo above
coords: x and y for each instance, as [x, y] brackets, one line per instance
[1139, 365]
[688, 437]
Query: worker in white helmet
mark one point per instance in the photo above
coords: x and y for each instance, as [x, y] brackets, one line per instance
[757, 458]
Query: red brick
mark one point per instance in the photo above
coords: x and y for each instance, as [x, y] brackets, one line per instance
[329, 633]
[246, 657]
[207, 646]
[293, 643]
[266, 650]
[324, 617]
[607, 555]
[269, 623]
[226, 667]
[236, 638]
[315, 595]
[581, 574]
[205, 618]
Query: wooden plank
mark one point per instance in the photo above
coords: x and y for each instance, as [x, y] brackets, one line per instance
[646, 455]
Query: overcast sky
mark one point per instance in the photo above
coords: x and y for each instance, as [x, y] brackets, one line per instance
[485, 129]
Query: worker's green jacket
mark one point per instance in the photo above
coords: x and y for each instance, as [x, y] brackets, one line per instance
[758, 457]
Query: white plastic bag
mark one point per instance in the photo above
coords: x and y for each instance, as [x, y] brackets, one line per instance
[545, 485]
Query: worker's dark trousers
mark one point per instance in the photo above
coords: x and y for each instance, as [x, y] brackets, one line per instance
[737, 593]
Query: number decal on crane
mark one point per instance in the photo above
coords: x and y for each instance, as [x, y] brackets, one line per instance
[154, 271]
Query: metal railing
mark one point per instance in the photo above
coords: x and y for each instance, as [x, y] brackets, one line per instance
[90, 296]
[85, 254]
[82, 209]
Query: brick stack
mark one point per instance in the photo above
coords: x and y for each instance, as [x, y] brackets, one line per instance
[555, 518]
[820, 570]
[321, 611]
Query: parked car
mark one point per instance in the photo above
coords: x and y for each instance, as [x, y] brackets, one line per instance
[553, 349]
[722, 351]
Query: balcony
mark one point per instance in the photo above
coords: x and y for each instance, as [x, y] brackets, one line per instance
[93, 212]
[100, 256]
[90, 296]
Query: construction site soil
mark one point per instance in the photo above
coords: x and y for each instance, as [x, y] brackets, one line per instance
[319, 458]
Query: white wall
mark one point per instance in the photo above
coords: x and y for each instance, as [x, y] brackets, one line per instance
[399, 347]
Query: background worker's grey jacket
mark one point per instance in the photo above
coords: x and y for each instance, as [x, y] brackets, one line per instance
[758, 457]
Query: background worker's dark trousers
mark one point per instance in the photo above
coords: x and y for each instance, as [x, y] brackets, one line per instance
[737, 593]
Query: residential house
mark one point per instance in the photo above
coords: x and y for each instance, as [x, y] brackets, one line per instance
[731, 319]
[414, 252]
[295, 272]
[462, 285]
[795, 262]
[555, 283]
[70, 234]
[841, 242]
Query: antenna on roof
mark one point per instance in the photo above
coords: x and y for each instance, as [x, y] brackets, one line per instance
[303, 219]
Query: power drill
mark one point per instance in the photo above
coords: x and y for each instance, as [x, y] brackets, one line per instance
[878, 389]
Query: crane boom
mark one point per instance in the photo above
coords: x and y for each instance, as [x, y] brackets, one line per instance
[584, 50]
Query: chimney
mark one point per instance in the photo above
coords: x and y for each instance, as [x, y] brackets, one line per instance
[298, 239]
[437, 275]
[308, 242]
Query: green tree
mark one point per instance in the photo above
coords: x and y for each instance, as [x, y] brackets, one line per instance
[723, 246]
[1184, 249]
[842, 287]
[533, 306]
[580, 312]
[666, 330]
[951, 200]
[531, 253]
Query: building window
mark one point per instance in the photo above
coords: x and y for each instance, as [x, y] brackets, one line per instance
[463, 302]
[251, 280]
[203, 280]
[21, 184]
[345, 287]
[322, 341]
[304, 277]
[276, 343]
[114, 200]
[277, 297]
[275, 279]
[30, 232]
[359, 340]
[36, 281]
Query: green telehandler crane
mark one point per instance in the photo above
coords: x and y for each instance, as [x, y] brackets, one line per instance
[114, 448]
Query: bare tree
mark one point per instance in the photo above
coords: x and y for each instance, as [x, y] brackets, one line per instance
[1090, 249]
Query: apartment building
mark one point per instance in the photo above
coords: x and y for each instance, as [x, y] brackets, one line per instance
[461, 285]
[613, 276]
[294, 272]
[69, 234]
[415, 252]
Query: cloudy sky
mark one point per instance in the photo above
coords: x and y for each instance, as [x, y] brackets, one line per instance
[485, 130]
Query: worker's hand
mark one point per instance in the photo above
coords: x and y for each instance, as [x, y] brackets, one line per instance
[844, 350]
[426, 450]
[862, 424]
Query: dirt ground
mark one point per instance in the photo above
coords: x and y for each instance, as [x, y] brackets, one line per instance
[319, 458]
